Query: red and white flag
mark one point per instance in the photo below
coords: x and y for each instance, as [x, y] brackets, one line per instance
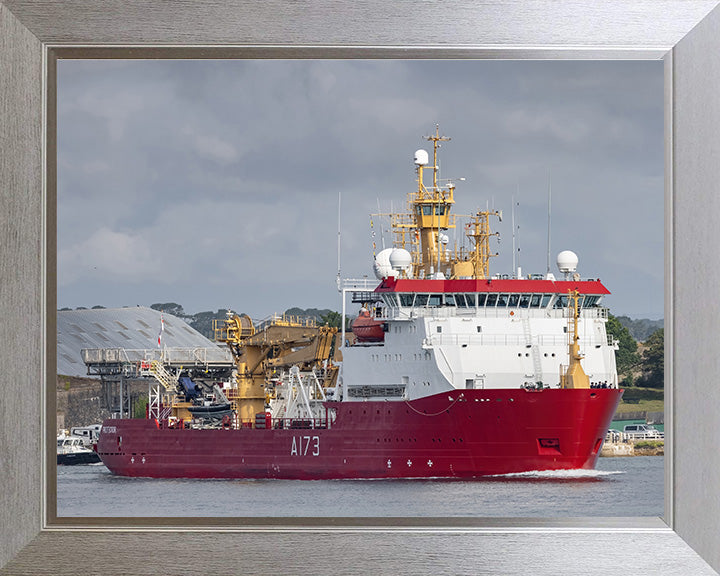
[162, 329]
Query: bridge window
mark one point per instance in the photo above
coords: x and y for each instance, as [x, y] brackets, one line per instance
[470, 299]
[421, 300]
[449, 300]
[546, 300]
[513, 300]
[434, 300]
[502, 300]
[390, 300]
[535, 300]
[524, 300]
[428, 209]
[406, 299]
[481, 300]
[491, 300]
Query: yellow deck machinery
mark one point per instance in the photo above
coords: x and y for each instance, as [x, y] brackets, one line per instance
[262, 352]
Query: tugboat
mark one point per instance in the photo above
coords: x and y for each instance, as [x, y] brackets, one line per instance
[450, 373]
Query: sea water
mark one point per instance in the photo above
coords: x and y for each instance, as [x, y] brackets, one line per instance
[630, 486]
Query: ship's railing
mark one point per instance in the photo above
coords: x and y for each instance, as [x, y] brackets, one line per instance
[286, 424]
[363, 284]
[284, 320]
[505, 340]
[406, 313]
[197, 355]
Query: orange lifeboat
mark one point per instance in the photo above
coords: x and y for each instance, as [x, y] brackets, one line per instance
[366, 329]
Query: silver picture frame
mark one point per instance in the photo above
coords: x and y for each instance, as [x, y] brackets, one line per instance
[683, 33]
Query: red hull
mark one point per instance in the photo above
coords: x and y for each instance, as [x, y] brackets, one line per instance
[460, 434]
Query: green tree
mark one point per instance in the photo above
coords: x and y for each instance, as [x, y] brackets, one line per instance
[626, 356]
[203, 322]
[140, 406]
[169, 308]
[653, 360]
[332, 319]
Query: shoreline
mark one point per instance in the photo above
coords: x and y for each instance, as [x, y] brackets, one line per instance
[622, 449]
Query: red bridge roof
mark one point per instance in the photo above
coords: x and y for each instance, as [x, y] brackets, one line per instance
[511, 286]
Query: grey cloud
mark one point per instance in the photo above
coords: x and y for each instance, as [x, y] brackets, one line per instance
[246, 159]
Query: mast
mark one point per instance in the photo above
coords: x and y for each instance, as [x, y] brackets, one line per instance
[420, 230]
[574, 376]
[548, 235]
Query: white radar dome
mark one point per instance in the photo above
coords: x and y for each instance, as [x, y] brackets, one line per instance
[421, 158]
[401, 260]
[381, 266]
[567, 261]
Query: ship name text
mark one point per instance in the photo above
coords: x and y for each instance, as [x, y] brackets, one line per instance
[305, 445]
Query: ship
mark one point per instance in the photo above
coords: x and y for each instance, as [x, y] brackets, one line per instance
[447, 371]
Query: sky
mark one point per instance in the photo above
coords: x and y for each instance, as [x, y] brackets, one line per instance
[215, 184]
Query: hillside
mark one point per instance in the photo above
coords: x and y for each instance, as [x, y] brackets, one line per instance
[642, 328]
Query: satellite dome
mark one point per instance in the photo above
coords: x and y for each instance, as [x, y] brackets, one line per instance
[382, 267]
[421, 158]
[400, 260]
[567, 261]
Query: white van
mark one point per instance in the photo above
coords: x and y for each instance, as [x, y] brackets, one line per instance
[644, 431]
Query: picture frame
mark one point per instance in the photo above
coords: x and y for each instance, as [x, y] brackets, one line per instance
[32, 37]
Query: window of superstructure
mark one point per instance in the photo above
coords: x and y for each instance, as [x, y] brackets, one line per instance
[390, 300]
[591, 301]
[406, 299]
[449, 299]
[421, 300]
[481, 300]
[535, 300]
[513, 300]
[546, 300]
[524, 301]
[502, 300]
[435, 300]
[427, 209]
[491, 300]
[561, 302]
[470, 299]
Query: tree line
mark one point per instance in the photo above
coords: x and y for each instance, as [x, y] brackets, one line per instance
[638, 363]
[203, 321]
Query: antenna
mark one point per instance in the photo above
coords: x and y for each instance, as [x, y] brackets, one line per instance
[512, 223]
[549, 205]
[338, 241]
[516, 234]
[382, 230]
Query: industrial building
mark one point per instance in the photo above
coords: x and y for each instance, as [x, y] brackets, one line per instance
[103, 357]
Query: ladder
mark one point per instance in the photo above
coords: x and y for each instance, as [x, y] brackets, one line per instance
[534, 350]
[164, 376]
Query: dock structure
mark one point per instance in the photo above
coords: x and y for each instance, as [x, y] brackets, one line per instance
[122, 345]
[119, 367]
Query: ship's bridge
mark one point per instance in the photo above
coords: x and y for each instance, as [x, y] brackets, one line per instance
[488, 296]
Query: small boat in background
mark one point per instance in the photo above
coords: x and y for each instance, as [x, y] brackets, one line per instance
[71, 450]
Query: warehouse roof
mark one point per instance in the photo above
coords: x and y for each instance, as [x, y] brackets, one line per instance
[135, 328]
